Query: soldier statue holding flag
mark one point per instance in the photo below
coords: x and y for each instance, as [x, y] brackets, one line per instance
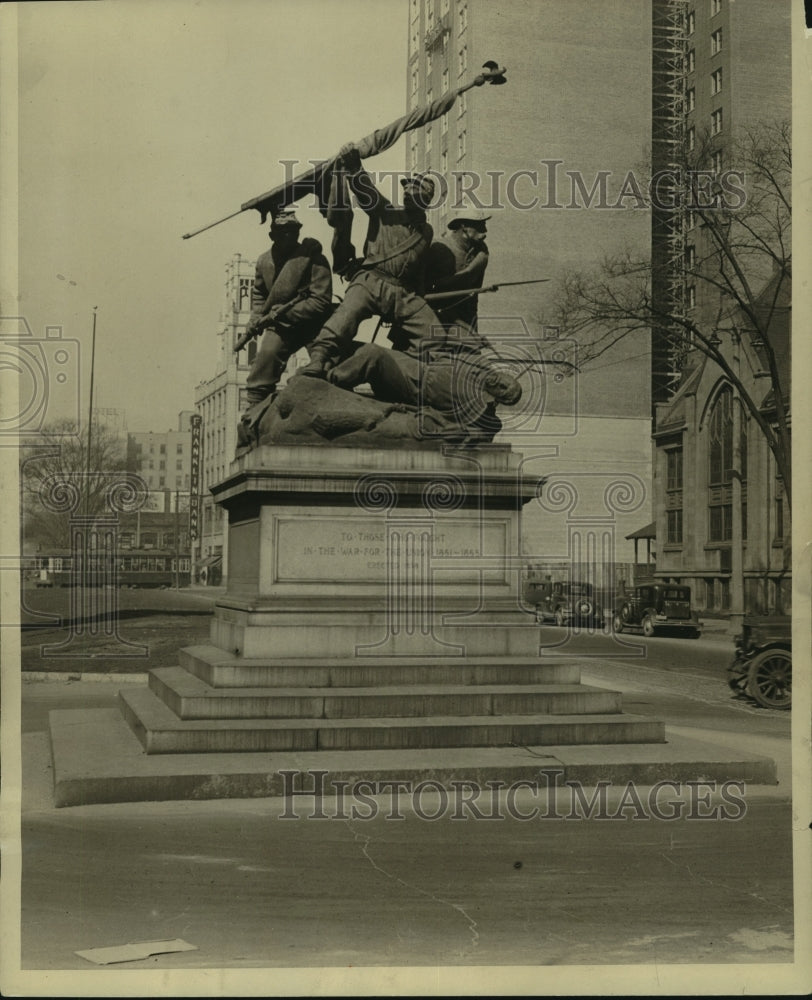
[389, 281]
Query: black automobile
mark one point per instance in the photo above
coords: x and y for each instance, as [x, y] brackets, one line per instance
[656, 607]
[762, 665]
[563, 602]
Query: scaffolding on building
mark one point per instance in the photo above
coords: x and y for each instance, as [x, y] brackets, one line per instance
[668, 217]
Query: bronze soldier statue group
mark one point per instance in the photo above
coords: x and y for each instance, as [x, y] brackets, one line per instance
[437, 368]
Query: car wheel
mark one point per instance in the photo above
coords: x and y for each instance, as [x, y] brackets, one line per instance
[769, 681]
[559, 618]
[625, 611]
[648, 626]
[617, 623]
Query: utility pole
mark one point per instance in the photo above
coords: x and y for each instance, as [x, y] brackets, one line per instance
[90, 413]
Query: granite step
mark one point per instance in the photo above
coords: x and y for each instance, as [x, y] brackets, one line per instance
[191, 698]
[161, 731]
[219, 668]
[98, 759]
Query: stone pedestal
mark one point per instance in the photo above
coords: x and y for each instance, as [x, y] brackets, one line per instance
[373, 604]
[372, 629]
[349, 552]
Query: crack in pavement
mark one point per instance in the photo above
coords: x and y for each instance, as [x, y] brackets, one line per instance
[472, 924]
[725, 885]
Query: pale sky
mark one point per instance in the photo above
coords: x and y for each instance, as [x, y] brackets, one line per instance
[141, 120]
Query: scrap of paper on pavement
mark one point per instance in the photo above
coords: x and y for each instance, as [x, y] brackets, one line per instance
[134, 952]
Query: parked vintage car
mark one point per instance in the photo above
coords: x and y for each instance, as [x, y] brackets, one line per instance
[653, 607]
[565, 603]
[762, 665]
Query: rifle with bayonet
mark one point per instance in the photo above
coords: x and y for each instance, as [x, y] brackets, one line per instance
[253, 330]
[460, 294]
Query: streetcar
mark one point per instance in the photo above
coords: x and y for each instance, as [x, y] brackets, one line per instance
[130, 568]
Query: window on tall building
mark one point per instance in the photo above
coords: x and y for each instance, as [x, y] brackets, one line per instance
[673, 499]
[720, 509]
[162, 481]
[779, 511]
[716, 121]
[716, 81]
[690, 22]
[716, 161]
[690, 296]
[673, 476]
[179, 464]
[163, 449]
[690, 257]
[463, 17]
[690, 99]
[461, 104]
[716, 7]
[722, 467]
[429, 13]
[690, 61]
[444, 162]
[179, 448]
[162, 464]
[463, 60]
[716, 42]
[415, 81]
[414, 10]
[429, 140]
[461, 143]
[444, 124]
[690, 219]
[691, 137]
[445, 82]
[444, 6]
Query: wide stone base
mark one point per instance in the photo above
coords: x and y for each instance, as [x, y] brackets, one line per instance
[98, 759]
[372, 627]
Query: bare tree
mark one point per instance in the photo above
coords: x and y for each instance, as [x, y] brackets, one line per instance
[57, 480]
[745, 265]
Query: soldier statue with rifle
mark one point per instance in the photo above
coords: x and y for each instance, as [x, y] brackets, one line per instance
[290, 300]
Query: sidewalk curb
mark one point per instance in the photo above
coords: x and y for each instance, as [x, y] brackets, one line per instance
[38, 676]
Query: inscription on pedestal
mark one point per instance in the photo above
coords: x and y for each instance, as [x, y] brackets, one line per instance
[324, 549]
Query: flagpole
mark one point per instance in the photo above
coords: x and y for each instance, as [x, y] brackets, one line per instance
[90, 413]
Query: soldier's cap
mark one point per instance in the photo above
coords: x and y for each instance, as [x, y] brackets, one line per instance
[503, 387]
[423, 181]
[461, 215]
[285, 217]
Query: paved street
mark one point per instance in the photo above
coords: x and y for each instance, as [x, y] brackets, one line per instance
[252, 890]
[707, 656]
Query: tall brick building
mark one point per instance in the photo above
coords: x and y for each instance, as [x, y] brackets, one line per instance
[519, 152]
[720, 69]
